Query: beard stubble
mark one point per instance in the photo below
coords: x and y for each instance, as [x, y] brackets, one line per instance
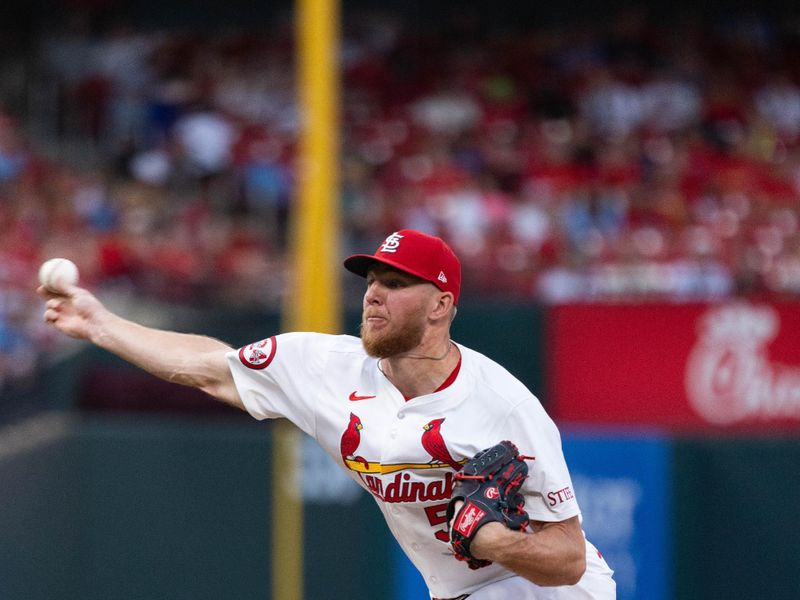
[388, 343]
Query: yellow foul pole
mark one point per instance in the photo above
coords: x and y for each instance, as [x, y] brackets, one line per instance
[314, 301]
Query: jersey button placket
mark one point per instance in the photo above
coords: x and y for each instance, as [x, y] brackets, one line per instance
[389, 450]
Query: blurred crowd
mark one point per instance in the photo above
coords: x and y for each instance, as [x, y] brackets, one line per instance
[625, 161]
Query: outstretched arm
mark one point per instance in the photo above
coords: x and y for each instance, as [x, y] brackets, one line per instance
[193, 360]
[554, 555]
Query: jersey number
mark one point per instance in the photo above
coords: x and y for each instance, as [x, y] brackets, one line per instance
[437, 516]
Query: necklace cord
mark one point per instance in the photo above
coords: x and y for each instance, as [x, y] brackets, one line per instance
[450, 345]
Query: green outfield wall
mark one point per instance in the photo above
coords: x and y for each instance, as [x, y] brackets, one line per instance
[736, 521]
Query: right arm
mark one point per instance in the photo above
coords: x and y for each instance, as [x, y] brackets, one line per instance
[188, 359]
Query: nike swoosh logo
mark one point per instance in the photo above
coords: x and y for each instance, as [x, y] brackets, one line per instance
[354, 397]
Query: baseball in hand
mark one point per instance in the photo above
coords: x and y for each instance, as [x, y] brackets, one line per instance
[57, 273]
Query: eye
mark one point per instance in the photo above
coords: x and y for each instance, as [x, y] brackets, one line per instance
[394, 284]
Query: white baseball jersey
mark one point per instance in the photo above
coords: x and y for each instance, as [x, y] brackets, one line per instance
[405, 453]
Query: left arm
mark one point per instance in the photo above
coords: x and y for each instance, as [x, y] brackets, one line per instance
[555, 554]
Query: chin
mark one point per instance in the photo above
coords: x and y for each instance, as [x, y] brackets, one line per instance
[374, 347]
[387, 346]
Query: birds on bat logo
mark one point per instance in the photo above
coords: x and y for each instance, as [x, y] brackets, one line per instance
[431, 440]
[397, 482]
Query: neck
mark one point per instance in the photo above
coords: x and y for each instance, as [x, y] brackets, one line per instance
[421, 356]
[421, 371]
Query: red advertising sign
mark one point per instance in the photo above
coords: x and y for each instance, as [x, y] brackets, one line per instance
[731, 365]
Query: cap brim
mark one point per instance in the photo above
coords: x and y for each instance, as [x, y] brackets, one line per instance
[360, 264]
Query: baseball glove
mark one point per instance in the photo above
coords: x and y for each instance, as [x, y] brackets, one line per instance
[489, 486]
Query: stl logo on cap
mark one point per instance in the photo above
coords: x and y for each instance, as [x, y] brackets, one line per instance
[391, 243]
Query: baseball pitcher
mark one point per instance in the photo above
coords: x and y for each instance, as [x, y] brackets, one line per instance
[461, 458]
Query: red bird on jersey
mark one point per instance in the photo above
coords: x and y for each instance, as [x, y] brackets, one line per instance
[351, 438]
[434, 444]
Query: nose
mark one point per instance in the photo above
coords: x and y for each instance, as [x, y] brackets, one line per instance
[373, 294]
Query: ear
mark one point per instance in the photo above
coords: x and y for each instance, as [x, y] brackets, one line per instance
[442, 306]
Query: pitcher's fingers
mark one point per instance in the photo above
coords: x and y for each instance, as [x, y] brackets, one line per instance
[54, 303]
[69, 290]
[46, 293]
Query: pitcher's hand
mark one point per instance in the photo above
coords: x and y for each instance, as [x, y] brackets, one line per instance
[75, 312]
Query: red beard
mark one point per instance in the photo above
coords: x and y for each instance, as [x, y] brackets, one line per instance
[392, 340]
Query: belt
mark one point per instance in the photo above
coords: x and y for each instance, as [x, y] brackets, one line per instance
[461, 597]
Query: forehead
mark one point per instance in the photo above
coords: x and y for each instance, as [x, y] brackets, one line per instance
[380, 271]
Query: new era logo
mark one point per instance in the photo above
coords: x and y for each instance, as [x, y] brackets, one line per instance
[442, 277]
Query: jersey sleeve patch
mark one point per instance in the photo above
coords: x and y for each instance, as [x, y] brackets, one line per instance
[258, 355]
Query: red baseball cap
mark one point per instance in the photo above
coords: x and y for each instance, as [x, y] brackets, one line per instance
[425, 256]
